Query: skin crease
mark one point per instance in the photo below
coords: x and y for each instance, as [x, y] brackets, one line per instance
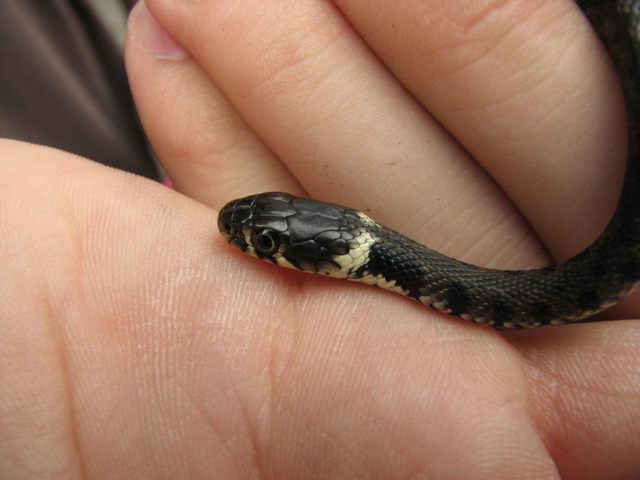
[137, 344]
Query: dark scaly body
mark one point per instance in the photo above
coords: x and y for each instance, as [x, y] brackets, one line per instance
[338, 241]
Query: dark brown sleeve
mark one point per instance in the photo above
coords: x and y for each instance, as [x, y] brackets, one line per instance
[63, 84]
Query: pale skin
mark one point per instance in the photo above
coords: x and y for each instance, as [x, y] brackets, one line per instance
[136, 344]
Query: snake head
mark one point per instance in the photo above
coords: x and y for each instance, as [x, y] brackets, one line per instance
[296, 232]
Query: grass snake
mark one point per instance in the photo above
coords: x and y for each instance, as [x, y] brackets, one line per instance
[332, 240]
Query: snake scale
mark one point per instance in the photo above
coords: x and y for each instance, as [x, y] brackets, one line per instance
[329, 239]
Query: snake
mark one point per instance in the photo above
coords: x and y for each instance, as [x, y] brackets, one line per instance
[336, 241]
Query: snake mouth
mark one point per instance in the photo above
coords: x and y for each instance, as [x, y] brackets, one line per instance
[228, 237]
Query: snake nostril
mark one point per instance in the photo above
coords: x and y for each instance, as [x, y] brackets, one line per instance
[223, 225]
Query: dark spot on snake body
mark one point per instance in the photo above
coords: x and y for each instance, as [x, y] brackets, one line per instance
[598, 269]
[503, 313]
[631, 270]
[589, 300]
[457, 299]
[542, 311]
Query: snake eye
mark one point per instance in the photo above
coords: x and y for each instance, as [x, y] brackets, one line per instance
[265, 242]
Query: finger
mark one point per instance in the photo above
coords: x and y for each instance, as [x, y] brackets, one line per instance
[203, 144]
[316, 96]
[527, 89]
[585, 396]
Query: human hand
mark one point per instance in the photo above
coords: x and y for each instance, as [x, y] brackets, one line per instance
[525, 113]
[152, 348]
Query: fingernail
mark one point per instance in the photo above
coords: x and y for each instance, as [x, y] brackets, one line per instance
[152, 36]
